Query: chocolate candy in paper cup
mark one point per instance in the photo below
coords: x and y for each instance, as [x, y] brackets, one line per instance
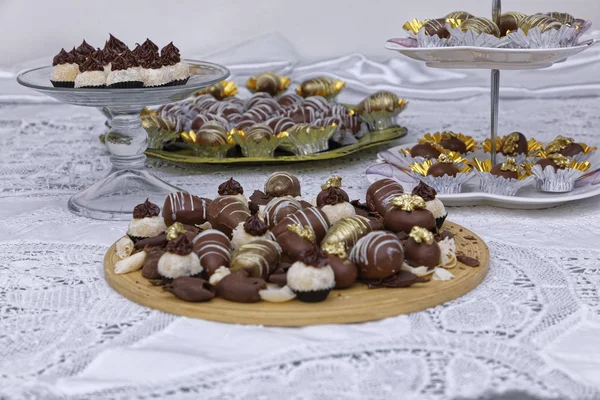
[505, 178]
[446, 175]
[258, 140]
[220, 91]
[321, 86]
[268, 82]
[380, 109]
[304, 139]
[211, 140]
[560, 176]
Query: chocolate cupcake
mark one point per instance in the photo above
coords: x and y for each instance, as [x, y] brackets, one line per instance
[146, 222]
[64, 70]
[185, 208]
[152, 71]
[124, 72]
[408, 211]
[282, 184]
[432, 203]
[213, 249]
[254, 228]
[92, 73]
[177, 70]
[334, 201]
[232, 187]
[312, 278]
[179, 259]
[378, 255]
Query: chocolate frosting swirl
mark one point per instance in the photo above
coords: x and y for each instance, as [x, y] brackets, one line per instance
[85, 49]
[115, 45]
[181, 246]
[230, 187]
[255, 226]
[146, 209]
[314, 257]
[425, 191]
[94, 62]
[137, 52]
[63, 58]
[150, 59]
[335, 195]
[124, 61]
[130, 58]
[150, 47]
[77, 57]
[170, 55]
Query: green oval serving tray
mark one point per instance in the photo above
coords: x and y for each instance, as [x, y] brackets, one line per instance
[369, 140]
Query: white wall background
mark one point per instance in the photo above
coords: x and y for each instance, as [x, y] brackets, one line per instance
[317, 28]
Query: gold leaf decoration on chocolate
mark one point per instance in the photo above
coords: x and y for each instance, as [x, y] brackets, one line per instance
[523, 171]
[436, 138]
[560, 160]
[510, 143]
[421, 235]
[558, 144]
[336, 249]
[454, 22]
[334, 181]
[147, 112]
[510, 164]
[533, 146]
[320, 86]
[413, 26]
[347, 231]
[305, 232]
[220, 90]
[408, 202]
[174, 231]
[444, 159]
[382, 104]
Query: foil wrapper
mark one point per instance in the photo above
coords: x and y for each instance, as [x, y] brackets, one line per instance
[203, 149]
[160, 131]
[474, 39]
[220, 91]
[559, 181]
[499, 185]
[304, 139]
[258, 145]
[588, 151]
[535, 38]
[436, 138]
[321, 86]
[533, 147]
[268, 82]
[380, 109]
[446, 184]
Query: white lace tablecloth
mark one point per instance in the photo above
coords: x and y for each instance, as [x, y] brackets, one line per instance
[532, 326]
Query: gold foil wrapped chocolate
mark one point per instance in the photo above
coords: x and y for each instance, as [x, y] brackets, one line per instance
[146, 112]
[544, 22]
[334, 181]
[160, 131]
[413, 26]
[211, 140]
[321, 86]
[461, 15]
[421, 235]
[259, 257]
[336, 249]
[305, 231]
[562, 17]
[408, 202]
[174, 231]
[304, 139]
[347, 231]
[481, 25]
[220, 90]
[258, 140]
[268, 82]
[379, 109]
[436, 138]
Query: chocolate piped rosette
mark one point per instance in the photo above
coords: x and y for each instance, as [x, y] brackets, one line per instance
[216, 121]
[275, 246]
[117, 66]
[515, 30]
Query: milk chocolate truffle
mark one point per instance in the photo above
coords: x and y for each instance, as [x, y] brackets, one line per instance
[279, 208]
[571, 150]
[378, 255]
[225, 213]
[443, 166]
[185, 208]
[421, 250]
[544, 22]
[565, 146]
[425, 150]
[409, 211]
[509, 22]
[259, 258]
[296, 241]
[282, 184]
[451, 142]
[556, 160]
[514, 143]
[507, 169]
[344, 270]
[544, 162]
[312, 216]
[213, 249]
[437, 27]
[381, 193]
[240, 288]
[191, 289]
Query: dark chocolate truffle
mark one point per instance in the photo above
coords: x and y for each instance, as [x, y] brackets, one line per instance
[378, 255]
[345, 271]
[258, 199]
[425, 150]
[451, 142]
[381, 193]
[571, 150]
[424, 191]
[185, 208]
[213, 249]
[514, 143]
[225, 213]
[282, 184]
[191, 289]
[507, 169]
[510, 22]
[441, 168]
[421, 250]
[240, 287]
[408, 211]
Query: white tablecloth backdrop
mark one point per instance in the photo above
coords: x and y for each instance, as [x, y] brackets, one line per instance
[532, 326]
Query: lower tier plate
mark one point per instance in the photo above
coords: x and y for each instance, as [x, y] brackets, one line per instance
[356, 304]
[370, 139]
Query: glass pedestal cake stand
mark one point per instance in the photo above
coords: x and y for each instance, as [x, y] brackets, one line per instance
[129, 182]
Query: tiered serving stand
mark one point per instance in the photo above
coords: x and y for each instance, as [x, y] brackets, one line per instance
[129, 182]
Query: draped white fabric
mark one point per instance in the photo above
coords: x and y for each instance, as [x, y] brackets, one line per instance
[532, 326]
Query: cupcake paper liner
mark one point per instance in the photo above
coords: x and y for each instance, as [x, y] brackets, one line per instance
[313, 296]
[424, 40]
[211, 151]
[549, 180]
[439, 221]
[65, 84]
[126, 85]
[470, 38]
[92, 87]
[308, 141]
[499, 185]
[178, 82]
[566, 36]
[446, 184]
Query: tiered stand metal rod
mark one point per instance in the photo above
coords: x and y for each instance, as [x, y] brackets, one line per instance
[495, 95]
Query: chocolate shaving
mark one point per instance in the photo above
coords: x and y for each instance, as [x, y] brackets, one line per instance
[468, 261]
[146, 209]
[230, 187]
[443, 235]
[402, 279]
[257, 199]
[170, 55]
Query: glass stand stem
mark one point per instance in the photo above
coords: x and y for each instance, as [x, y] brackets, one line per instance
[495, 102]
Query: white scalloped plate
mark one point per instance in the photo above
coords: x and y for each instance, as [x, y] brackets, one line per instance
[527, 199]
[488, 58]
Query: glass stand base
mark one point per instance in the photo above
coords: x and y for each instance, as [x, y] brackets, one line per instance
[114, 197]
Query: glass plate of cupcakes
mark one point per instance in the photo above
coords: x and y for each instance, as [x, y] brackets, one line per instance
[528, 174]
[273, 124]
[520, 41]
[287, 258]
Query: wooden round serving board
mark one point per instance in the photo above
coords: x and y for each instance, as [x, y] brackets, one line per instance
[357, 304]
